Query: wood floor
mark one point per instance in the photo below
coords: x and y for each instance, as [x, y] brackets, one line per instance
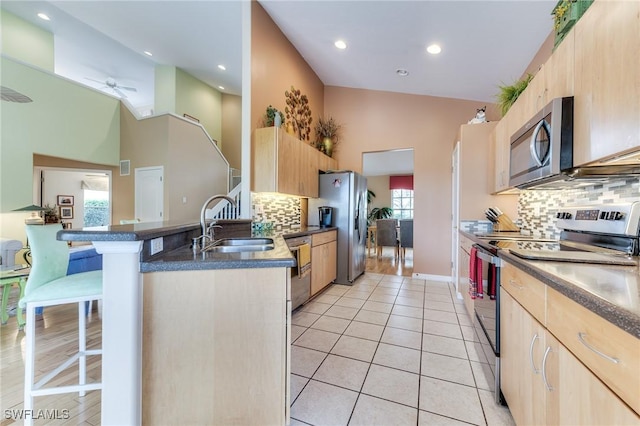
[56, 340]
[389, 264]
[56, 334]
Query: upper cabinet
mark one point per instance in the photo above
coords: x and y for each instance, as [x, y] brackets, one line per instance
[607, 81]
[598, 63]
[282, 163]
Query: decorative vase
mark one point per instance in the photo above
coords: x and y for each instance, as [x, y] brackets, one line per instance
[290, 129]
[327, 143]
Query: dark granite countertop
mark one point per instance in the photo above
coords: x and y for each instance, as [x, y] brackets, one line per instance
[610, 291]
[177, 254]
[183, 259]
[133, 232]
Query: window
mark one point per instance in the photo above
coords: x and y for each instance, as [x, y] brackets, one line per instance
[402, 203]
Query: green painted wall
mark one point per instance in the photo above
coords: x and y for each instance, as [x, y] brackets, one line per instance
[64, 120]
[165, 89]
[25, 42]
[201, 101]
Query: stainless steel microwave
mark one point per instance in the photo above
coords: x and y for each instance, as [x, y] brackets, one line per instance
[543, 148]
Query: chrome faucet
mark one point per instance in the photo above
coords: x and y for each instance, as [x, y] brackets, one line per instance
[203, 223]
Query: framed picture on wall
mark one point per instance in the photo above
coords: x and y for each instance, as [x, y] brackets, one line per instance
[65, 200]
[66, 212]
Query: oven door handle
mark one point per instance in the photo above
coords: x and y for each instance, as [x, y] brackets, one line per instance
[488, 258]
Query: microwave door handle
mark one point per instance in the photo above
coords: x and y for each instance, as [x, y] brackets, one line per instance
[532, 144]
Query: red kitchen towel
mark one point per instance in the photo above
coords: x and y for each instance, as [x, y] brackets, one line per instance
[493, 272]
[473, 259]
[479, 286]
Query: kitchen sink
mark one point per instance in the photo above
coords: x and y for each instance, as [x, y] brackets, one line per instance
[238, 245]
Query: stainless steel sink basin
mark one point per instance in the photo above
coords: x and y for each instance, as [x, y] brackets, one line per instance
[238, 245]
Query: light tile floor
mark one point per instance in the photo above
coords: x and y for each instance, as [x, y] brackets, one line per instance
[389, 350]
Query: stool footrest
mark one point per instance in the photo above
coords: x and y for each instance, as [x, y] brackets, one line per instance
[53, 373]
[67, 389]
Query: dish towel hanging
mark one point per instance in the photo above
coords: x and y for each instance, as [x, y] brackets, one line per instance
[475, 275]
[492, 279]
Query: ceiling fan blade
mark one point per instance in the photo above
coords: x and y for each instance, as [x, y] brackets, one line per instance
[10, 95]
[119, 92]
[93, 79]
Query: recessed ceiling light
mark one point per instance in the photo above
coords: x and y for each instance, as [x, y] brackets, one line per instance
[220, 87]
[222, 67]
[146, 52]
[43, 16]
[402, 72]
[340, 44]
[434, 49]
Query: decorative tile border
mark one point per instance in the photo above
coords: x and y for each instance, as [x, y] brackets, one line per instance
[537, 208]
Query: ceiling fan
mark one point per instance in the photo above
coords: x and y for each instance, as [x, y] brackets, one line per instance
[111, 83]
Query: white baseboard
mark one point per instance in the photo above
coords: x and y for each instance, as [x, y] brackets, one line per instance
[430, 277]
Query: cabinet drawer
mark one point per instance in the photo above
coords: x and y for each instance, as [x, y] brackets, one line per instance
[323, 238]
[528, 291]
[465, 244]
[610, 352]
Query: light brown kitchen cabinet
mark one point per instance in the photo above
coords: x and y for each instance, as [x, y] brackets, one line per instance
[610, 352]
[541, 378]
[559, 71]
[324, 258]
[500, 138]
[522, 345]
[214, 340]
[607, 81]
[282, 163]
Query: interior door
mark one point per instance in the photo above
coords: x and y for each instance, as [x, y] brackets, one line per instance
[149, 194]
[455, 213]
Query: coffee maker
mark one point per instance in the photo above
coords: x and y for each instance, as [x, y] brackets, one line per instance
[325, 214]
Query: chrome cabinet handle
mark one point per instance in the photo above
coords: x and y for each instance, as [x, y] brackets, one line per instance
[542, 126]
[533, 342]
[544, 369]
[581, 337]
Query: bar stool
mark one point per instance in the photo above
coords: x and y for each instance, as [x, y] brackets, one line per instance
[48, 285]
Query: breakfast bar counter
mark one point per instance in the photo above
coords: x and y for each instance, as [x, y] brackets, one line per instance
[128, 251]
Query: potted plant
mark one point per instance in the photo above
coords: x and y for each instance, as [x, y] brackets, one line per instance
[51, 214]
[379, 213]
[327, 135]
[509, 94]
[273, 117]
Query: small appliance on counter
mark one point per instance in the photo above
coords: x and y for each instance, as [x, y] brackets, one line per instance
[325, 216]
[345, 193]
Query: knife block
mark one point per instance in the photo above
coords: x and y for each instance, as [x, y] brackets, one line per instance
[505, 223]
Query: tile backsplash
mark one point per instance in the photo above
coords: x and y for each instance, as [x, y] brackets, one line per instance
[281, 210]
[537, 208]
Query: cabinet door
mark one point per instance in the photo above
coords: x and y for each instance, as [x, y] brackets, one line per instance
[317, 269]
[331, 261]
[521, 351]
[577, 396]
[463, 273]
[559, 70]
[289, 148]
[501, 146]
[607, 81]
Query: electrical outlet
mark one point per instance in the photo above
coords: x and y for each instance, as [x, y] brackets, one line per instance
[156, 246]
[259, 208]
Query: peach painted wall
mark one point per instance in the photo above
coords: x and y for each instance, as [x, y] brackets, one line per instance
[378, 121]
[275, 66]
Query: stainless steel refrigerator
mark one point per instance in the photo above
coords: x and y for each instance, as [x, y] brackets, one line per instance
[346, 193]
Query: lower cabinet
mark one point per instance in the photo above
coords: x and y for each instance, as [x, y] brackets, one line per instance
[216, 347]
[464, 254]
[324, 257]
[544, 383]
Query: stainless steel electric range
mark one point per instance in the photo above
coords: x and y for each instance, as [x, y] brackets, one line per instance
[606, 234]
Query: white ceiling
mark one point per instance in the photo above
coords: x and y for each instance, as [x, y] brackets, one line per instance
[383, 163]
[485, 42]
